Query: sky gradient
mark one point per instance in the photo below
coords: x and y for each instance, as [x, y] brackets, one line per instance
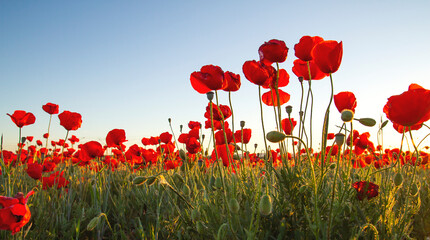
[127, 64]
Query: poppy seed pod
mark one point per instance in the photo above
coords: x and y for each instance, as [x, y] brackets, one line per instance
[339, 138]
[242, 124]
[275, 136]
[369, 122]
[300, 79]
[289, 109]
[210, 95]
[347, 115]
[265, 205]
[398, 179]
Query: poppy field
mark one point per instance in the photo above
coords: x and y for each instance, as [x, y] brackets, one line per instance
[205, 180]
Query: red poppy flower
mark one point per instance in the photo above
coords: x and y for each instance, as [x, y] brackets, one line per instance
[273, 51]
[92, 149]
[192, 145]
[22, 118]
[51, 108]
[409, 108]
[232, 82]
[303, 49]
[365, 190]
[73, 139]
[39, 143]
[223, 155]
[209, 78]
[269, 98]
[154, 140]
[401, 129]
[55, 179]
[328, 55]
[29, 138]
[194, 124]
[14, 213]
[225, 110]
[283, 80]
[362, 143]
[34, 170]
[286, 125]
[345, 100]
[258, 73]
[145, 141]
[217, 124]
[115, 138]
[300, 69]
[330, 136]
[70, 120]
[166, 137]
[219, 137]
[245, 135]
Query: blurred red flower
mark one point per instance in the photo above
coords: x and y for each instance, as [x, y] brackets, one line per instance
[365, 189]
[29, 138]
[51, 108]
[232, 82]
[286, 125]
[300, 69]
[73, 139]
[345, 100]
[70, 120]
[14, 213]
[22, 118]
[209, 78]
[409, 108]
[273, 51]
[115, 138]
[303, 49]
[55, 179]
[34, 170]
[328, 55]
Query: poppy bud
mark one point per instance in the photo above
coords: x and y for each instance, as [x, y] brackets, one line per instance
[151, 180]
[222, 231]
[139, 180]
[233, 205]
[339, 139]
[169, 119]
[398, 179]
[275, 136]
[242, 124]
[333, 166]
[180, 128]
[255, 145]
[300, 79]
[182, 154]
[179, 180]
[210, 96]
[347, 115]
[289, 109]
[265, 206]
[414, 190]
[93, 223]
[369, 122]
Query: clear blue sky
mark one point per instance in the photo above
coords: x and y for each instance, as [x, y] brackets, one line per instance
[126, 64]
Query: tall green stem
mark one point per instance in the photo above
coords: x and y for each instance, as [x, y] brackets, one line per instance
[325, 128]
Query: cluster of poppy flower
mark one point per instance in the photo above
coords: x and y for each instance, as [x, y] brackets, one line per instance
[317, 59]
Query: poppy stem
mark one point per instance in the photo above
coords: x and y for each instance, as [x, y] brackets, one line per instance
[325, 128]
[262, 124]
[49, 125]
